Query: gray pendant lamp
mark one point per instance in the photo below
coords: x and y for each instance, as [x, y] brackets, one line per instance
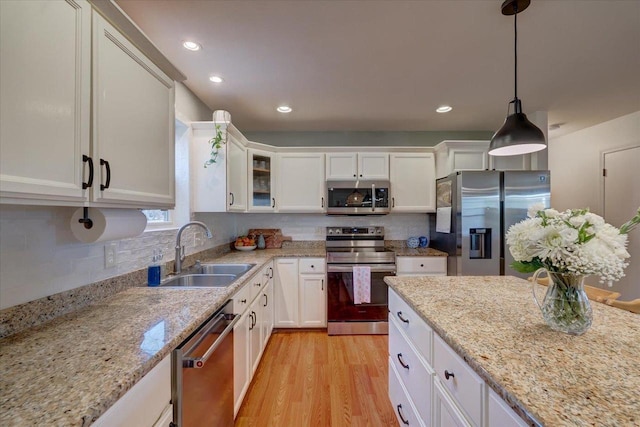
[517, 135]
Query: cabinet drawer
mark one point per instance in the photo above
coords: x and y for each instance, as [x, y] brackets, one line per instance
[255, 284]
[402, 406]
[414, 374]
[464, 384]
[429, 265]
[416, 329]
[242, 299]
[311, 265]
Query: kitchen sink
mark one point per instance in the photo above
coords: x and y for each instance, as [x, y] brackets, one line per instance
[200, 281]
[236, 269]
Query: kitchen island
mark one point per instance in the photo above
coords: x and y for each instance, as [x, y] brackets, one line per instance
[547, 377]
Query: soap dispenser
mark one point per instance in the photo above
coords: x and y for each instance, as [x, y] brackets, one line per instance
[154, 271]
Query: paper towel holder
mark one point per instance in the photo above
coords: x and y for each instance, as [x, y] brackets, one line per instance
[85, 220]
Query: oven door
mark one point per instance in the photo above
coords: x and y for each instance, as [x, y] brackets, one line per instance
[341, 308]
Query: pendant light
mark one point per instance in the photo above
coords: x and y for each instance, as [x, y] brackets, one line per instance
[517, 135]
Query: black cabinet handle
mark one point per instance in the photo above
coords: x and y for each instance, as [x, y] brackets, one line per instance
[402, 317]
[244, 301]
[401, 360]
[421, 265]
[257, 284]
[106, 165]
[312, 266]
[399, 409]
[360, 175]
[233, 199]
[322, 285]
[322, 201]
[354, 175]
[448, 374]
[271, 270]
[266, 300]
[393, 202]
[273, 202]
[89, 183]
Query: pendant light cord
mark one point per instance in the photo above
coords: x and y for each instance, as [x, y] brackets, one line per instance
[515, 51]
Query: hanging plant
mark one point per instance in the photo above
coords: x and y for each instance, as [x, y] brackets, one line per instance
[220, 138]
[216, 144]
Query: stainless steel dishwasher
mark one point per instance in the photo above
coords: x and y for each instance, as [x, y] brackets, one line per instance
[202, 374]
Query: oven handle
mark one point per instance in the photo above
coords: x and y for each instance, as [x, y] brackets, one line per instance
[198, 362]
[348, 268]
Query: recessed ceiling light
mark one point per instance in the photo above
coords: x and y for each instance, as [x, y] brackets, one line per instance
[284, 109]
[443, 109]
[216, 79]
[189, 45]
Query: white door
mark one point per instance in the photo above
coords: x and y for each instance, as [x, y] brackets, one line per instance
[342, 166]
[313, 301]
[267, 312]
[300, 181]
[45, 81]
[286, 293]
[621, 201]
[241, 377]
[373, 166]
[133, 146]
[255, 334]
[236, 175]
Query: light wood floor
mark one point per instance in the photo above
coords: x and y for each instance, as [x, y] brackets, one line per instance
[312, 379]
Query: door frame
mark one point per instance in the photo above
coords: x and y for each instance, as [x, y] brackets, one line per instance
[602, 167]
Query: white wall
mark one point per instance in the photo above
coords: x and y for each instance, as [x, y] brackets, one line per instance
[39, 256]
[312, 226]
[574, 161]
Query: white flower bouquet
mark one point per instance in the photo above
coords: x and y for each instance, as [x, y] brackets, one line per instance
[572, 242]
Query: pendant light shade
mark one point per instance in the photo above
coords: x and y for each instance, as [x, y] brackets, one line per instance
[517, 135]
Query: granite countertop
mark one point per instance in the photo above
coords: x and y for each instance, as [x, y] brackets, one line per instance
[404, 251]
[70, 370]
[549, 378]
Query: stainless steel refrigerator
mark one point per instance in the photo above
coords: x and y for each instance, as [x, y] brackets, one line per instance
[474, 210]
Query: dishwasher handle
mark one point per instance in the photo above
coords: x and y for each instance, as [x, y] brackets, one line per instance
[198, 362]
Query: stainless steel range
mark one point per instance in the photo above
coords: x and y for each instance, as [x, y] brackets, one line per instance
[349, 247]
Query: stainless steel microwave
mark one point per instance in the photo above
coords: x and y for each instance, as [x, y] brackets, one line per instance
[358, 197]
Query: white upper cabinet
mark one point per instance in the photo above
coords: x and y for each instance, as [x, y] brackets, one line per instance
[261, 180]
[300, 182]
[45, 81]
[356, 166]
[208, 185]
[413, 181]
[133, 123]
[87, 119]
[236, 173]
[453, 156]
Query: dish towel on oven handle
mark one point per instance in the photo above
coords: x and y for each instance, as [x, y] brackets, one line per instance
[361, 284]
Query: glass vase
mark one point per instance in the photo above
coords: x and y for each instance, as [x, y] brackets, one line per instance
[565, 306]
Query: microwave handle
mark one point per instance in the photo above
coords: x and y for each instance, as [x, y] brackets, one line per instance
[373, 197]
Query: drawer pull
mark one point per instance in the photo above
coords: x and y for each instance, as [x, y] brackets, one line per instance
[399, 409]
[243, 301]
[404, 365]
[402, 318]
[448, 374]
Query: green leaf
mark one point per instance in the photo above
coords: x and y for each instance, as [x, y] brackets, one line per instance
[526, 266]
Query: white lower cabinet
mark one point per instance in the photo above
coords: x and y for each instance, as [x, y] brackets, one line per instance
[421, 266]
[440, 388]
[254, 303]
[300, 293]
[146, 403]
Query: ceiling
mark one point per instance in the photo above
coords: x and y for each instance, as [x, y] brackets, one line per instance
[386, 65]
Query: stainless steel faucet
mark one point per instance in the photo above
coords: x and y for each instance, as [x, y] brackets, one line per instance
[177, 267]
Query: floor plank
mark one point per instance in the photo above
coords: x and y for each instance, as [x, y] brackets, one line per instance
[312, 379]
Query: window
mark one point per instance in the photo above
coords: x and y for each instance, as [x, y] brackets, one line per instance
[157, 216]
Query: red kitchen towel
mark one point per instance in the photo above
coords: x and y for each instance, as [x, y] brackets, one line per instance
[361, 284]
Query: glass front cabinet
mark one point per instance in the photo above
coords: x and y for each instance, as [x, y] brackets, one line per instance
[261, 181]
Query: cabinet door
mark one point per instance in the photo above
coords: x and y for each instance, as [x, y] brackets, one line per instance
[313, 301]
[133, 144]
[267, 313]
[500, 414]
[236, 175]
[373, 166]
[469, 159]
[413, 182]
[342, 166]
[286, 293]
[301, 183]
[510, 163]
[255, 335]
[45, 81]
[446, 413]
[261, 181]
[241, 376]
